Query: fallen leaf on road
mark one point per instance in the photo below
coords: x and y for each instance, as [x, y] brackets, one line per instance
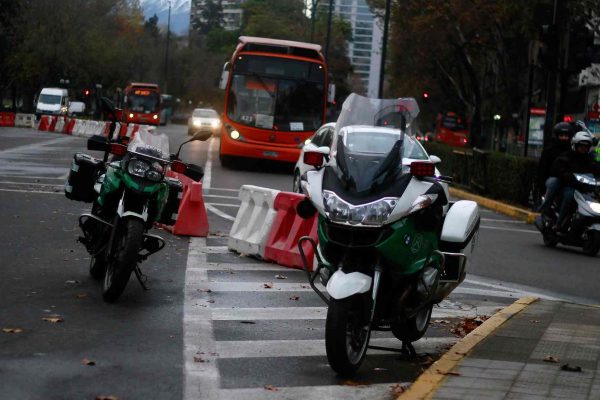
[295, 298]
[107, 398]
[72, 281]
[81, 295]
[12, 330]
[352, 383]
[551, 359]
[199, 359]
[85, 361]
[467, 325]
[247, 322]
[280, 277]
[569, 368]
[268, 285]
[535, 321]
[452, 373]
[397, 389]
[210, 301]
[304, 286]
[440, 321]
[271, 388]
[53, 319]
[205, 290]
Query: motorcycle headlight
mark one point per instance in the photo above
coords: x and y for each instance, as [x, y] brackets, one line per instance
[594, 206]
[138, 168]
[374, 213]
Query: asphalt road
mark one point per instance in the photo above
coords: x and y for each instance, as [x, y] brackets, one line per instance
[213, 331]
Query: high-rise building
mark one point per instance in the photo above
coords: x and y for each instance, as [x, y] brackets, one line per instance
[232, 13]
[365, 50]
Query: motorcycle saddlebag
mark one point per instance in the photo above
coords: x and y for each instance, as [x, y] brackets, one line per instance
[84, 172]
[171, 209]
[457, 239]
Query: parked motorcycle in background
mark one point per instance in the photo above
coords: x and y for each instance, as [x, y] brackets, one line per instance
[129, 194]
[390, 245]
[582, 228]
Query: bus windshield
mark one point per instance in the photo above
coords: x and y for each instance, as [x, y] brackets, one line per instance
[143, 101]
[276, 93]
[454, 123]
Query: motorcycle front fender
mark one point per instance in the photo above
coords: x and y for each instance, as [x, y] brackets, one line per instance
[342, 285]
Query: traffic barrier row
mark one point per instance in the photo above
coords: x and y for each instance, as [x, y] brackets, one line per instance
[24, 120]
[192, 219]
[80, 127]
[267, 226]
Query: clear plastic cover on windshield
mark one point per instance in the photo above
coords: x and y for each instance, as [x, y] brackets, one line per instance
[370, 140]
[151, 143]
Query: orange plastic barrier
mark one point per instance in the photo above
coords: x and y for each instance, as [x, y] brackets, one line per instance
[7, 119]
[69, 126]
[288, 227]
[52, 125]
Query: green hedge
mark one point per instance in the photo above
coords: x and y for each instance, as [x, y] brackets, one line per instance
[495, 175]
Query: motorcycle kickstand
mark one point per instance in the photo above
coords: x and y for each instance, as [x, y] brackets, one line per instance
[142, 279]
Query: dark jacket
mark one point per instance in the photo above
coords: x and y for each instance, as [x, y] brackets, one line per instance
[571, 162]
[549, 155]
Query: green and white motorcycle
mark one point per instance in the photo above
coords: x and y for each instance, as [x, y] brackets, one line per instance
[390, 245]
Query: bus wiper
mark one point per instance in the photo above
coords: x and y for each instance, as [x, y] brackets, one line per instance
[263, 84]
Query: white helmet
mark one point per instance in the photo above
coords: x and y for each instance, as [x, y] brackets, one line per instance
[580, 138]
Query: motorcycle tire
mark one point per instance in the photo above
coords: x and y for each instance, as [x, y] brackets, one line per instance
[591, 245]
[413, 328]
[97, 266]
[346, 336]
[126, 246]
[549, 241]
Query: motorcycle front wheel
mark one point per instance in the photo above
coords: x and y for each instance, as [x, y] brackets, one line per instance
[413, 328]
[123, 259]
[346, 335]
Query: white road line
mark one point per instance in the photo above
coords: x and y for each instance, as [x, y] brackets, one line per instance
[496, 228]
[206, 180]
[225, 189]
[219, 212]
[31, 184]
[30, 177]
[504, 221]
[371, 391]
[506, 286]
[316, 347]
[243, 267]
[201, 379]
[222, 205]
[30, 191]
[302, 313]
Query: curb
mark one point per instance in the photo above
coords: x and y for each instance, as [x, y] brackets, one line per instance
[429, 381]
[511, 211]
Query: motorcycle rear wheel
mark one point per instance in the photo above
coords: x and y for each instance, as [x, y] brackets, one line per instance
[591, 245]
[346, 336]
[126, 245]
[413, 328]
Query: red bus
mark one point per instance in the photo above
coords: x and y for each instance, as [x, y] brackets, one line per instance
[451, 128]
[141, 104]
[276, 94]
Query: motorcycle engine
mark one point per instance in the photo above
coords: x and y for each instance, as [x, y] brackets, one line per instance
[427, 284]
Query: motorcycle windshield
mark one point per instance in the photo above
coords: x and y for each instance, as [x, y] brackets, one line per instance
[370, 140]
[146, 141]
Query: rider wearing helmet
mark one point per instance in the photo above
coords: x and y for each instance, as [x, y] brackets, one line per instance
[577, 160]
[561, 134]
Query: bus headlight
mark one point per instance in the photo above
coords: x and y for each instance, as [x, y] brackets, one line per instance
[155, 116]
[130, 115]
[235, 135]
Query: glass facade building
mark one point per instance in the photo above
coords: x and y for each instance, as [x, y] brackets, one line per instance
[232, 13]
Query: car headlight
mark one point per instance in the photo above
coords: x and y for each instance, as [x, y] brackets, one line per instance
[374, 213]
[215, 123]
[138, 168]
[197, 122]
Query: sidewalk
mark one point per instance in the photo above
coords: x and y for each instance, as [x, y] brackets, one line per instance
[534, 349]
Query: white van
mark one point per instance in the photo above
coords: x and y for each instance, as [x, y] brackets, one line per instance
[52, 101]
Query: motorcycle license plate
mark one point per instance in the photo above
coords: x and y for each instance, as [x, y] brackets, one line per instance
[273, 154]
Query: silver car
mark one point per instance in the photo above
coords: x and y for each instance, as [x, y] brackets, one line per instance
[203, 118]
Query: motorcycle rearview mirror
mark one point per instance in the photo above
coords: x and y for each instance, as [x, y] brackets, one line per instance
[435, 159]
[98, 142]
[201, 135]
[316, 157]
[179, 167]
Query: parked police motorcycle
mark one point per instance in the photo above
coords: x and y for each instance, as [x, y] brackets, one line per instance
[389, 244]
[582, 228]
[129, 193]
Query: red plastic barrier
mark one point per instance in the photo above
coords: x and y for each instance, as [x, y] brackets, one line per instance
[69, 126]
[52, 125]
[44, 125]
[288, 227]
[7, 119]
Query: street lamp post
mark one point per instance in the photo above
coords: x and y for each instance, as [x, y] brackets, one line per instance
[167, 49]
[328, 31]
[384, 46]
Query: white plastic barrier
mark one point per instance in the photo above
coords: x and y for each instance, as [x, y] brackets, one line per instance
[60, 124]
[253, 221]
[25, 120]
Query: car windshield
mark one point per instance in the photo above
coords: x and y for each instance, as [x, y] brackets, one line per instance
[276, 93]
[205, 114]
[371, 141]
[147, 141]
[146, 103]
[49, 99]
